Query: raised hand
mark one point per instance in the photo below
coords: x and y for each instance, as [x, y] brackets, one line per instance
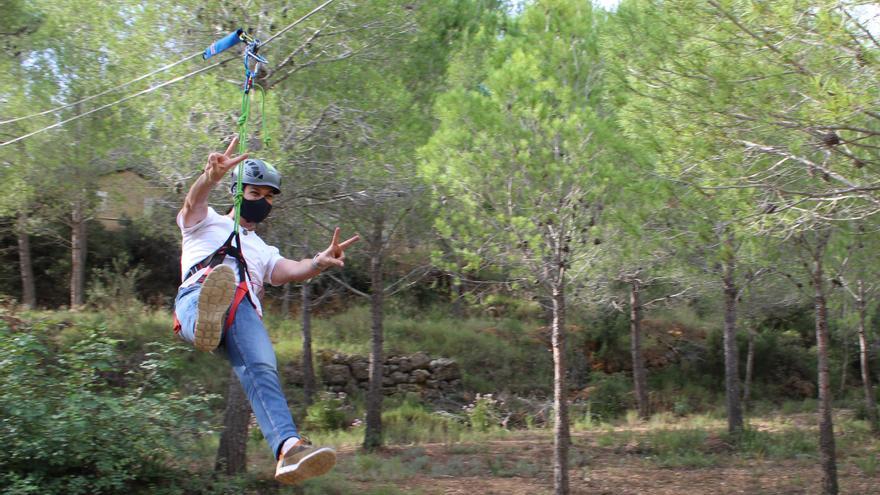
[335, 254]
[220, 163]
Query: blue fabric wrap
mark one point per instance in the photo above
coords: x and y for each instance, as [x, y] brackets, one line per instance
[220, 45]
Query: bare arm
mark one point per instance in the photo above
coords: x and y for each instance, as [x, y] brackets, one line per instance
[296, 271]
[195, 206]
[293, 271]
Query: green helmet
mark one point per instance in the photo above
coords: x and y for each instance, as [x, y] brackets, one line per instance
[257, 173]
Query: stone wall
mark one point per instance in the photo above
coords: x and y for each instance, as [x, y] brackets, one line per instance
[414, 373]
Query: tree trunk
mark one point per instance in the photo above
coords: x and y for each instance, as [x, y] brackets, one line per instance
[562, 436]
[731, 354]
[750, 367]
[307, 367]
[78, 256]
[373, 434]
[640, 381]
[870, 403]
[826, 425]
[25, 263]
[232, 452]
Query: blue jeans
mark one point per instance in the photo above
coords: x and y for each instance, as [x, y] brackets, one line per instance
[247, 346]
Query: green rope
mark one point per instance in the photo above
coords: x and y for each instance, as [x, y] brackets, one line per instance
[242, 147]
[263, 132]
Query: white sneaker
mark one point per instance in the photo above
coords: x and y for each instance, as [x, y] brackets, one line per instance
[218, 289]
[304, 461]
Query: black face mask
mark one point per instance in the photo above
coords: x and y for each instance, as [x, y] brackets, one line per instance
[255, 211]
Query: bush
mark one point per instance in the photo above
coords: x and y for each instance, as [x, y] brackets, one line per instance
[79, 421]
[412, 423]
[116, 287]
[326, 414]
[483, 413]
[610, 395]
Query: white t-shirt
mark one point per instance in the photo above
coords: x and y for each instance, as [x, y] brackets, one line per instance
[205, 237]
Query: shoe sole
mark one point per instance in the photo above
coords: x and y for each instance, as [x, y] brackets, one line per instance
[311, 466]
[214, 300]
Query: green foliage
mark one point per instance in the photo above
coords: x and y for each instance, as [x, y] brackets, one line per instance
[789, 443]
[411, 422]
[610, 395]
[116, 287]
[488, 351]
[680, 448]
[483, 413]
[869, 465]
[78, 420]
[326, 414]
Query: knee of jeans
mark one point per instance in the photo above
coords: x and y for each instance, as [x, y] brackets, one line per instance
[264, 367]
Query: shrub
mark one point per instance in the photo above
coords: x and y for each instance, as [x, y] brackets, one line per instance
[610, 396]
[116, 287]
[77, 420]
[326, 414]
[483, 413]
[411, 423]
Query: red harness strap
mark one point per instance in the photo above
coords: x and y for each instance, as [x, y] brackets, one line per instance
[241, 291]
[214, 259]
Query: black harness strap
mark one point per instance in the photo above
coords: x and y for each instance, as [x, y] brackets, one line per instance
[217, 257]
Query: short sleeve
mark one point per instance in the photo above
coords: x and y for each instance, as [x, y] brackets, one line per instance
[209, 218]
[273, 256]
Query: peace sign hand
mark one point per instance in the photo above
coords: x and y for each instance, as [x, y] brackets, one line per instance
[220, 163]
[335, 254]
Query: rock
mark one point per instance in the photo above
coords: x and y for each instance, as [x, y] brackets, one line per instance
[420, 376]
[444, 369]
[387, 381]
[408, 387]
[419, 361]
[336, 374]
[432, 384]
[399, 377]
[360, 370]
[405, 365]
[339, 358]
[293, 374]
[431, 394]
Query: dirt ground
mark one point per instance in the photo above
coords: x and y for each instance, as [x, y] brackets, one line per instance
[524, 467]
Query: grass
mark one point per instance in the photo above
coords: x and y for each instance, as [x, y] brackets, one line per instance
[412, 423]
[868, 465]
[489, 351]
[790, 443]
[334, 485]
[680, 448]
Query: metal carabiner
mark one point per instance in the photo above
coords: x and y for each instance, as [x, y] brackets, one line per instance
[250, 52]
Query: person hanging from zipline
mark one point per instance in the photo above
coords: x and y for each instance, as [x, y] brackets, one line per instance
[218, 303]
